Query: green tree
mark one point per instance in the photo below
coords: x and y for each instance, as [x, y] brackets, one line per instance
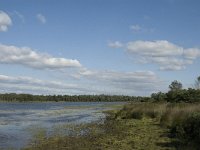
[175, 86]
[158, 96]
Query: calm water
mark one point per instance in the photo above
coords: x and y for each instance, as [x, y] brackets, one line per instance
[16, 119]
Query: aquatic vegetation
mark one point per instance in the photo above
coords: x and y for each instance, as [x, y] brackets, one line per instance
[19, 121]
[112, 134]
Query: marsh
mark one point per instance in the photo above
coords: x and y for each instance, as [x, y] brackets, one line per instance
[19, 121]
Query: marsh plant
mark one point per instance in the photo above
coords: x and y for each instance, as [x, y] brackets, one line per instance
[183, 119]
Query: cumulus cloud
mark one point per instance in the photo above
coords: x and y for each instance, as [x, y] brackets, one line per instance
[5, 21]
[170, 63]
[115, 44]
[22, 80]
[192, 53]
[41, 18]
[131, 83]
[118, 77]
[136, 83]
[90, 82]
[27, 57]
[154, 48]
[24, 84]
[167, 55]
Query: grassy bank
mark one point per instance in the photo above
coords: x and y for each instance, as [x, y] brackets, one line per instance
[152, 126]
[113, 135]
[181, 119]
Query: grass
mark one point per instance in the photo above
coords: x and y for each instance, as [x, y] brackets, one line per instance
[182, 120]
[136, 126]
[140, 110]
[175, 113]
[113, 135]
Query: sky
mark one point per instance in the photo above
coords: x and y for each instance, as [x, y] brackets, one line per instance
[115, 47]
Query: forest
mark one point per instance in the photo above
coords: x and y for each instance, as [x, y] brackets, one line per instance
[10, 97]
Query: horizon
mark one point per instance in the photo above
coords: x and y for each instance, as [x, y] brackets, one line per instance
[89, 47]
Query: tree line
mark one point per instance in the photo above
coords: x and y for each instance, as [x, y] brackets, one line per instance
[69, 98]
[176, 93]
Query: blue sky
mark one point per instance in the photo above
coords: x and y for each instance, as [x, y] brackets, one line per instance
[98, 46]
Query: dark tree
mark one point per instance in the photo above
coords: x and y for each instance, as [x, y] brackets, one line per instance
[175, 86]
[158, 96]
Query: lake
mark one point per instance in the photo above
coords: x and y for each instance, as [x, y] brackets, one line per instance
[17, 120]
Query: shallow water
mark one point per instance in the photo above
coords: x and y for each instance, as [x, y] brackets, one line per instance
[16, 119]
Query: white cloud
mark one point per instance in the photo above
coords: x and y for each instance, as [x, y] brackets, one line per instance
[167, 55]
[116, 76]
[41, 18]
[89, 82]
[5, 21]
[110, 83]
[131, 83]
[154, 48]
[170, 63]
[33, 82]
[192, 53]
[172, 68]
[30, 85]
[136, 28]
[27, 57]
[115, 44]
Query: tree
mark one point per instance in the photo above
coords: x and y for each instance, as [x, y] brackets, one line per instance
[158, 96]
[197, 83]
[175, 86]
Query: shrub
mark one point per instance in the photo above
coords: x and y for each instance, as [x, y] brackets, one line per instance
[188, 130]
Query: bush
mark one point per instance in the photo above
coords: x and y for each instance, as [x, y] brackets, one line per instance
[189, 96]
[188, 130]
[158, 97]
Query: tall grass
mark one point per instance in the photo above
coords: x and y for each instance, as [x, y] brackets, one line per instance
[183, 119]
[176, 113]
[140, 110]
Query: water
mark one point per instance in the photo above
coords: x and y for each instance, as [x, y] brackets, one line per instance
[16, 119]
